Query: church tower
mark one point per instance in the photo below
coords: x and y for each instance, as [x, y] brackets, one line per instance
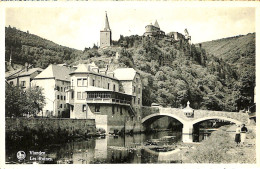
[105, 35]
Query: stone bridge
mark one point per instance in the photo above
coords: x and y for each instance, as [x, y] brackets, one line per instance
[188, 117]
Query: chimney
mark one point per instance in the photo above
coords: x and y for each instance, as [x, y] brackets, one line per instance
[26, 67]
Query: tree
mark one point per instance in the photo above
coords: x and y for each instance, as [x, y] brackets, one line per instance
[19, 102]
[13, 101]
[35, 101]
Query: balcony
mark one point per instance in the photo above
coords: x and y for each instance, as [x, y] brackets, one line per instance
[108, 97]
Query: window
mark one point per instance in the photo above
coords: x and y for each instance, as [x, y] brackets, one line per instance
[93, 82]
[114, 87]
[61, 97]
[84, 95]
[108, 86]
[79, 82]
[84, 108]
[61, 89]
[134, 89]
[60, 105]
[139, 90]
[121, 111]
[113, 109]
[78, 95]
[11, 83]
[58, 96]
[58, 88]
[23, 83]
[97, 108]
[85, 82]
[64, 97]
[72, 95]
[137, 80]
[138, 100]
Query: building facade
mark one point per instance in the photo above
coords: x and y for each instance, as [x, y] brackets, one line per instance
[54, 80]
[22, 77]
[100, 95]
[106, 35]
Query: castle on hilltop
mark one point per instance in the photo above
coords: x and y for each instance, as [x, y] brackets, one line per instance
[153, 30]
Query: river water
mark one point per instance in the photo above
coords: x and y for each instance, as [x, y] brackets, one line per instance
[158, 147]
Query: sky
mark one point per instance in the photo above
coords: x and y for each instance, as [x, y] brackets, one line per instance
[79, 27]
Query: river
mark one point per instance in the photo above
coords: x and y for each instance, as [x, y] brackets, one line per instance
[157, 147]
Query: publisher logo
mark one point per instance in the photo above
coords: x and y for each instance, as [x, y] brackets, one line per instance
[21, 155]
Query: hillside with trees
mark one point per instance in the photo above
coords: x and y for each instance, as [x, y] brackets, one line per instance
[173, 72]
[239, 53]
[26, 47]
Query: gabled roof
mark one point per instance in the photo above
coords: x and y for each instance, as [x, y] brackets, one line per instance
[125, 73]
[21, 72]
[30, 71]
[82, 68]
[54, 71]
[156, 24]
[12, 73]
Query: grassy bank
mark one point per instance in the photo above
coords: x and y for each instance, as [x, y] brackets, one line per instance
[221, 148]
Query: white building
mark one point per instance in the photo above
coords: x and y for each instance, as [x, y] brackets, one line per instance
[54, 80]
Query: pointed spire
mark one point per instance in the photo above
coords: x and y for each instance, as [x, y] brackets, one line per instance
[107, 27]
[156, 24]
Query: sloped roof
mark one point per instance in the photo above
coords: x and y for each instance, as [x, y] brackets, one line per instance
[55, 71]
[107, 27]
[30, 71]
[12, 73]
[125, 73]
[81, 68]
[156, 24]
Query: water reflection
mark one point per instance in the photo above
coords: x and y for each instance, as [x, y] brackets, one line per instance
[126, 149]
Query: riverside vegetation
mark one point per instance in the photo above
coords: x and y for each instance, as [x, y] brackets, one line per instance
[221, 148]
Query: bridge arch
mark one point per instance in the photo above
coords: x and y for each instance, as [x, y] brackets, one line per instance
[215, 117]
[163, 114]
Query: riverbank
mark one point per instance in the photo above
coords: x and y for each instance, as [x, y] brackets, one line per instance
[221, 148]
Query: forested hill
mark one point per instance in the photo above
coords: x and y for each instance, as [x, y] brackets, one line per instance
[26, 47]
[239, 52]
[233, 49]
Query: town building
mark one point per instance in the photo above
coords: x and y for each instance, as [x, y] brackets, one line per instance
[100, 95]
[54, 80]
[22, 77]
[106, 35]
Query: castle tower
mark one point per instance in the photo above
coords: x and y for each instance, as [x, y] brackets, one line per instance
[106, 34]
